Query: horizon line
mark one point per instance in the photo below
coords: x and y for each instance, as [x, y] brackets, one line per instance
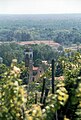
[37, 13]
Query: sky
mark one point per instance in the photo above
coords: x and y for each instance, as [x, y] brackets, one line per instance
[39, 6]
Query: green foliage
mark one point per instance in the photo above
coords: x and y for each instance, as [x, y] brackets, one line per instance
[60, 28]
[3, 68]
[24, 76]
[43, 52]
[11, 51]
[72, 75]
[18, 104]
[12, 99]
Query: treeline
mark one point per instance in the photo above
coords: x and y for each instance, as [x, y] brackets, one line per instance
[15, 51]
[64, 29]
[68, 37]
[17, 35]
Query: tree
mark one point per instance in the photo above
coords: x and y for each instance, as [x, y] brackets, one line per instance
[11, 51]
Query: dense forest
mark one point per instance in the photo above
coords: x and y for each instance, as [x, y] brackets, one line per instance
[64, 29]
[15, 51]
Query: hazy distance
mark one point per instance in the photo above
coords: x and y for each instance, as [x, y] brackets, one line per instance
[39, 6]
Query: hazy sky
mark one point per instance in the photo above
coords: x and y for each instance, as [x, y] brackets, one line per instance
[39, 6]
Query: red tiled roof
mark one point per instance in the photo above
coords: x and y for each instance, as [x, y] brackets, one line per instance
[47, 42]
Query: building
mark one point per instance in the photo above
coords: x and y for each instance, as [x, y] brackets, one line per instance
[37, 72]
[46, 42]
[29, 61]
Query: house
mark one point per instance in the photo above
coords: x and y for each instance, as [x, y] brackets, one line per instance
[37, 72]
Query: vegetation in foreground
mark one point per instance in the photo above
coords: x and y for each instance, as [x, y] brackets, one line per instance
[17, 102]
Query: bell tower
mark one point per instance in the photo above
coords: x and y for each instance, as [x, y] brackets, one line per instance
[29, 61]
